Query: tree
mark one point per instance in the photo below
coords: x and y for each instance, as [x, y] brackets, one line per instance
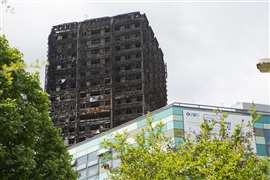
[30, 147]
[209, 155]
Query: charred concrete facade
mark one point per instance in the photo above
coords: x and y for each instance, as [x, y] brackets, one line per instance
[102, 73]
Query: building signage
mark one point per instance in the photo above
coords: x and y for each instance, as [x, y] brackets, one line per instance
[193, 119]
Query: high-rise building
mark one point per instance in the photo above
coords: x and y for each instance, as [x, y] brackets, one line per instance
[102, 73]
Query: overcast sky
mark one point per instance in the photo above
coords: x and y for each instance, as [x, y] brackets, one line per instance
[211, 48]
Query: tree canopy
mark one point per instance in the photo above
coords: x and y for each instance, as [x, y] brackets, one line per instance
[30, 147]
[209, 155]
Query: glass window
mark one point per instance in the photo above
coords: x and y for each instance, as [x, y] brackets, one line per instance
[83, 174]
[259, 132]
[93, 170]
[267, 132]
[92, 158]
[82, 160]
[116, 163]
[91, 163]
[267, 136]
[93, 178]
[267, 140]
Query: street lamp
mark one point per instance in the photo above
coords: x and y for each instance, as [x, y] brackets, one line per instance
[264, 65]
[4, 9]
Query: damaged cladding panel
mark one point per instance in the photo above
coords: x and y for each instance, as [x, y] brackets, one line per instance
[102, 73]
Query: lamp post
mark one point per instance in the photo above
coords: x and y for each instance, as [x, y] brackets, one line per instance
[264, 65]
[4, 9]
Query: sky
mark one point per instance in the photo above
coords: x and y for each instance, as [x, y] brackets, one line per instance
[211, 47]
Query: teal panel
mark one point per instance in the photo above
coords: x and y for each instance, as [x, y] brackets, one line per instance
[178, 124]
[178, 117]
[177, 110]
[103, 176]
[261, 149]
[266, 126]
[164, 128]
[260, 140]
[157, 117]
[264, 119]
[179, 140]
[175, 124]
[169, 133]
[258, 125]
[141, 123]
[181, 118]
[162, 114]
[170, 125]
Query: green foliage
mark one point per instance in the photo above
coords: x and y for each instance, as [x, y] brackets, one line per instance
[210, 155]
[30, 147]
